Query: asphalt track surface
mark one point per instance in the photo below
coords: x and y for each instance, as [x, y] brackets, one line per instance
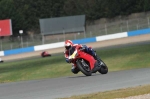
[77, 84]
[74, 85]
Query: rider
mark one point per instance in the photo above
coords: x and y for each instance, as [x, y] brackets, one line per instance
[69, 45]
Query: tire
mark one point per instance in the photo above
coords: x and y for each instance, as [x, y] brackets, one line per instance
[104, 68]
[1, 61]
[81, 67]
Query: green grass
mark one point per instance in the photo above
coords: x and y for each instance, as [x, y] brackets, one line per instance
[128, 58]
[55, 66]
[34, 69]
[120, 93]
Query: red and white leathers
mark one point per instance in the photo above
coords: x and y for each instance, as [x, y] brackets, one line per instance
[68, 45]
[66, 52]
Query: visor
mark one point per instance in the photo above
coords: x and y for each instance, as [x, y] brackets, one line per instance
[67, 47]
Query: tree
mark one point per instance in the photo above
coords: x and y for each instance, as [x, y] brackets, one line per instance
[25, 14]
[9, 11]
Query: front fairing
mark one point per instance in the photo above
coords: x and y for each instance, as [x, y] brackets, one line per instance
[88, 58]
[75, 54]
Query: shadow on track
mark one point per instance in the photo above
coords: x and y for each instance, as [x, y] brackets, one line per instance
[80, 76]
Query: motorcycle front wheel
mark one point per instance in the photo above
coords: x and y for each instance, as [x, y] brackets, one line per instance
[84, 67]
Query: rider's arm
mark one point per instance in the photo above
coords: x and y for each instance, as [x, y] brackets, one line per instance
[82, 47]
[78, 46]
[66, 53]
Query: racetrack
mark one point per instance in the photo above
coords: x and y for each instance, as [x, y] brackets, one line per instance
[74, 85]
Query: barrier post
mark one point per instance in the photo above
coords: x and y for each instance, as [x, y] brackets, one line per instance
[106, 29]
[21, 32]
[148, 22]
[127, 26]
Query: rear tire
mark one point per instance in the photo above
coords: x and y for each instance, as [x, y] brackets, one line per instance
[82, 68]
[104, 68]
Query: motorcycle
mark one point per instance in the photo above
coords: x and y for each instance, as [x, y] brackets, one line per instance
[45, 54]
[86, 63]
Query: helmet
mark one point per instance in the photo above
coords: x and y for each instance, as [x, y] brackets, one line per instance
[68, 44]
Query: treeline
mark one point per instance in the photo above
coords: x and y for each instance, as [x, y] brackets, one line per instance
[25, 14]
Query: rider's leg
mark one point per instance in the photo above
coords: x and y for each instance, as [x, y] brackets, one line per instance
[92, 52]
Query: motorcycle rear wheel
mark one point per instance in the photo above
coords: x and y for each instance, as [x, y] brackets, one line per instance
[86, 71]
[104, 68]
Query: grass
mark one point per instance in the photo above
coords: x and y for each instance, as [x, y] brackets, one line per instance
[55, 66]
[33, 69]
[120, 93]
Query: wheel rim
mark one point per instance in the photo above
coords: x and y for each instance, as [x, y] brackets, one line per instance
[85, 65]
[86, 68]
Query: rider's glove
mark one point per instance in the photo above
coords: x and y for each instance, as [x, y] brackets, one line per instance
[68, 60]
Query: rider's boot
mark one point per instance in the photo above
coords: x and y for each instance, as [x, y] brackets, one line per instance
[94, 54]
[74, 69]
[97, 58]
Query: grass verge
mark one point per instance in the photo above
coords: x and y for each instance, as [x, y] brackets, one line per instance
[120, 93]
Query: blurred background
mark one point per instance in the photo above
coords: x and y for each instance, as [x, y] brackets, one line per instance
[101, 18]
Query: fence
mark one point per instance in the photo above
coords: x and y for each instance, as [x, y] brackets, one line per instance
[8, 43]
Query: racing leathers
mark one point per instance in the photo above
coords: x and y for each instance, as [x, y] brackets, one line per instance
[88, 50]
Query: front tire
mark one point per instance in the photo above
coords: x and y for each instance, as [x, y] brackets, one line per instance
[84, 67]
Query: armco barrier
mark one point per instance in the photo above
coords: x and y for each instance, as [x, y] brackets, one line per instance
[84, 41]
[79, 41]
[18, 51]
[48, 46]
[138, 32]
[111, 36]
[1, 53]
[61, 44]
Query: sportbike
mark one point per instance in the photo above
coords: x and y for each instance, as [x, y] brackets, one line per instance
[86, 62]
